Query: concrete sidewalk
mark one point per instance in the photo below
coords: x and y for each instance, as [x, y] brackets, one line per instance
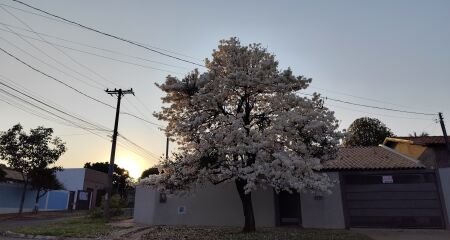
[405, 234]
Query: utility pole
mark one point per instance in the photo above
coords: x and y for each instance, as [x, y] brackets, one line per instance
[167, 149]
[119, 93]
[444, 132]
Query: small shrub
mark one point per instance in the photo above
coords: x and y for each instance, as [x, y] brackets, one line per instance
[115, 208]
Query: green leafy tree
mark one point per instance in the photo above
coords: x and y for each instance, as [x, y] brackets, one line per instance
[43, 180]
[150, 171]
[30, 153]
[366, 131]
[120, 176]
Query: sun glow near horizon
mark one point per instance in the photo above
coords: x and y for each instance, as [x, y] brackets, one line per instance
[134, 165]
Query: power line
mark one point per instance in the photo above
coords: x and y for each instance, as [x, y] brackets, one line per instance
[370, 106]
[54, 108]
[78, 125]
[47, 111]
[55, 79]
[73, 88]
[49, 65]
[110, 35]
[61, 51]
[142, 119]
[136, 145]
[30, 111]
[33, 13]
[61, 21]
[378, 114]
[382, 108]
[359, 97]
[105, 57]
[89, 46]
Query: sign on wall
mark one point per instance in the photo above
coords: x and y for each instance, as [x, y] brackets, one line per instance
[388, 179]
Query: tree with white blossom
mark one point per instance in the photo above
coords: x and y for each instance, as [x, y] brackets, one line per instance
[243, 121]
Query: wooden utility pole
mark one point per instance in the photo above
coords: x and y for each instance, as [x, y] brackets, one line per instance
[167, 149]
[119, 93]
[444, 132]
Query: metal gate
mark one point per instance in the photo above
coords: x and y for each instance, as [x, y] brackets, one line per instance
[397, 199]
[289, 208]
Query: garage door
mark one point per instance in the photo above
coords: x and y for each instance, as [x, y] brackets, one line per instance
[392, 200]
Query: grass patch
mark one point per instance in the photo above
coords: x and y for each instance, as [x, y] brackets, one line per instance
[213, 233]
[78, 227]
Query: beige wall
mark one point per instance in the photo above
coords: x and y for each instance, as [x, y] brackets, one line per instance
[424, 154]
[212, 205]
[414, 151]
[220, 206]
[327, 212]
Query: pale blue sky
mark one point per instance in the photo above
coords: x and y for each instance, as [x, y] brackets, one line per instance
[396, 52]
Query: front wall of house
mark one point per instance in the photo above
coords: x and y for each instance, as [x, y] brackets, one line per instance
[11, 194]
[144, 204]
[414, 151]
[94, 181]
[325, 211]
[71, 178]
[218, 205]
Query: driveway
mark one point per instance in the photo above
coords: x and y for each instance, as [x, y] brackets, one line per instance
[405, 234]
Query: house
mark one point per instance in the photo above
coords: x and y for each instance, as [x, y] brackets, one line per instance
[11, 194]
[87, 186]
[376, 187]
[430, 151]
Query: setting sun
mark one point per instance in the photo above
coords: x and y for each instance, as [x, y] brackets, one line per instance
[132, 165]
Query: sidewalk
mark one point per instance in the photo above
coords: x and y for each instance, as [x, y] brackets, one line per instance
[405, 234]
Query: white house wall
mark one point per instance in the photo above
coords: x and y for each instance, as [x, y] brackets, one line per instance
[218, 205]
[144, 205]
[71, 178]
[326, 212]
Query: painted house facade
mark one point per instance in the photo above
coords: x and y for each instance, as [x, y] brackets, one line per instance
[430, 151]
[87, 186]
[11, 193]
[377, 187]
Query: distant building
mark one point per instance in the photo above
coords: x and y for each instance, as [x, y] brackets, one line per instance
[88, 186]
[429, 150]
[11, 193]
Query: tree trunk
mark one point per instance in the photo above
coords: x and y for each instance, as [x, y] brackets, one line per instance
[247, 206]
[22, 200]
[36, 201]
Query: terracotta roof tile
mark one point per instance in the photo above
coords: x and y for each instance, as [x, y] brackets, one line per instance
[370, 158]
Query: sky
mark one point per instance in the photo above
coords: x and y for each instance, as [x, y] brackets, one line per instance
[392, 54]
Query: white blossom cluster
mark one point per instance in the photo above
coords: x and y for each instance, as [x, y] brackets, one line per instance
[243, 119]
